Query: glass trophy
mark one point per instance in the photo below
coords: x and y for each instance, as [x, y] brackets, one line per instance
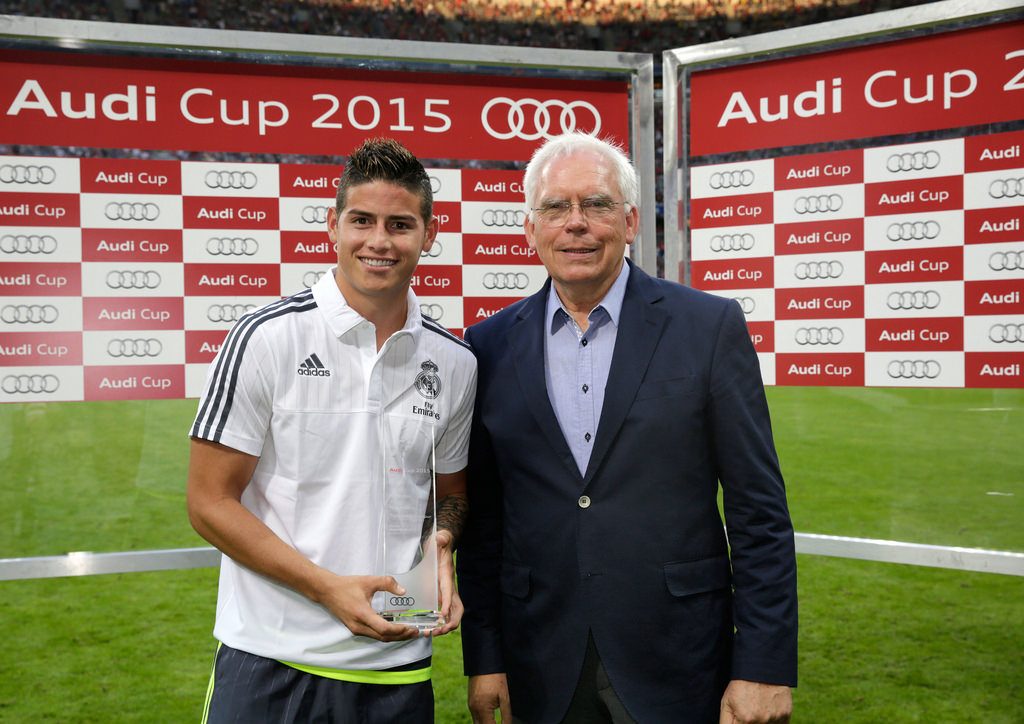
[408, 526]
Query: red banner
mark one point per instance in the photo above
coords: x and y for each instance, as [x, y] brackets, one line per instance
[194, 106]
[948, 80]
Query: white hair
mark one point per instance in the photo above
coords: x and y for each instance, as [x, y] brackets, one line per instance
[568, 144]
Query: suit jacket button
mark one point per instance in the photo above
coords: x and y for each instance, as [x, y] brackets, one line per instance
[584, 501]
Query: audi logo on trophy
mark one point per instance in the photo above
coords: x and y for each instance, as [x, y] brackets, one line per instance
[913, 231]
[732, 242]
[230, 180]
[1011, 333]
[542, 125]
[747, 304]
[134, 347]
[433, 252]
[402, 600]
[28, 244]
[732, 179]
[227, 312]
[311, 277]
[25, 384]
[131, 211]
[27, 173]
[820, 204]
[232, 246]
[917, 299]
[818, 270]
[1006, 261]
[29, 314]
[435, 185]
[818, 335]
[506, 280]
[315, 214]
[127, 279]
[509, 218]
[1007, 188]
[913, 161]
[432, 310]
[913, 369]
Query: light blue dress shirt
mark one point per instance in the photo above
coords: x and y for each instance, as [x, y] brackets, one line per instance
[577, 364]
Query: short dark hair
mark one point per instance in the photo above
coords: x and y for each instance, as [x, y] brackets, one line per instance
[385, 159]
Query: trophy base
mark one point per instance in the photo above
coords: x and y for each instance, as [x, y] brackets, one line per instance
[420, 620]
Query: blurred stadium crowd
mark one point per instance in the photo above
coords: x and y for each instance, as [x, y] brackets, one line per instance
[641, 26]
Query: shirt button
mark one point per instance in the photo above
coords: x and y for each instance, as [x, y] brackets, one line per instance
[584, 501]
[587, 437]
[584, 343]
[585, 389]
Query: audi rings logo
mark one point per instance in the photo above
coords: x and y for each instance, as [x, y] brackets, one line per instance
[311, 277]
[433, 252]
[918, 299]
[732, 242]
[913, 231]
[506, 280]
[529, 119]
[1011, 333]
[134, 347]
[510, 218]
[432, 310]
[28, 244]
[913, 369]
[732, 179]
[230, 180]
[402, 600]
[819, 270]
[126, 279]
[29, 314]
[435, 185]
[27, 173]
[1007, 188]
[26, 384]
[747, 304]
[1006, 261]
[819, 335]
[131, 211]
[820, 204]
[912, 161]
[315, 214]
[227, 312]
[232, 246]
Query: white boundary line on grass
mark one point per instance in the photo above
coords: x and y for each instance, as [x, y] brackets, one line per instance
[867, 549]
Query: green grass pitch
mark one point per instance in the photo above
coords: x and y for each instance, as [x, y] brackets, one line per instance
[879, 643]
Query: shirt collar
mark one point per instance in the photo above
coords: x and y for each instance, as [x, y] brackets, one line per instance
[341, 318]
[612, 301]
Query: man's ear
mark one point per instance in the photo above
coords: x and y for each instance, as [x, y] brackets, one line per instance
[431, 233]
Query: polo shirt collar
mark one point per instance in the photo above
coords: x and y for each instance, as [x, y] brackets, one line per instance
[612, 301]
[341, 318]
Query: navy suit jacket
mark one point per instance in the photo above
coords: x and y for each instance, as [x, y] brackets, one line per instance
[642, 562]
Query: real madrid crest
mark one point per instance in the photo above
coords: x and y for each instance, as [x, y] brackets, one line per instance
[427, 382]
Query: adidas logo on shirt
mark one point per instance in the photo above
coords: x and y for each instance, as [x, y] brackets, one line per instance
[313, 367]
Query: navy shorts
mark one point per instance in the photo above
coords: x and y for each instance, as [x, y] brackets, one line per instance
[250, 689]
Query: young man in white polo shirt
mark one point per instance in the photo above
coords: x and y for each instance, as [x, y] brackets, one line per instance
[304, 404]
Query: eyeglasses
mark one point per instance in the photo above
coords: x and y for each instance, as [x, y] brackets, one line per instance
[556, 213]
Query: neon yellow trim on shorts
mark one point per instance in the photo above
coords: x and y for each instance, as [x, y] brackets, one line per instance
[209, 687]
[359, 676]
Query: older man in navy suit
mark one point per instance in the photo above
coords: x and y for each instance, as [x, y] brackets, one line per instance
[599, 582]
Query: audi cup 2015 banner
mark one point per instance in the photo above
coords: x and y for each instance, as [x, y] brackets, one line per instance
[121, 271]
[893, 263]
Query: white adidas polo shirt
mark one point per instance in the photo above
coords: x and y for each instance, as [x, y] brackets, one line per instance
[300, 383]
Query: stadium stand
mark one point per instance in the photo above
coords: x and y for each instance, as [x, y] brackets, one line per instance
[641, 26]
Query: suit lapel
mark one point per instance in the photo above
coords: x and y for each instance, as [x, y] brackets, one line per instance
[641, 324]
[526, 339]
